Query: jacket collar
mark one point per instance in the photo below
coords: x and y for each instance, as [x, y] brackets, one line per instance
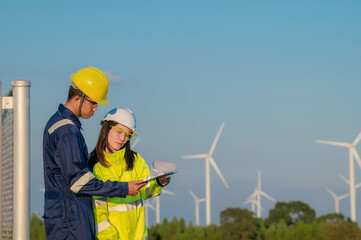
[69, 115]
[113, 157]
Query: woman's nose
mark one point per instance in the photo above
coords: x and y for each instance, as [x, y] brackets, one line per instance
[122, 136]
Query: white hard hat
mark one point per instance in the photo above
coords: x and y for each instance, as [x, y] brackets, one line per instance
[122, 116]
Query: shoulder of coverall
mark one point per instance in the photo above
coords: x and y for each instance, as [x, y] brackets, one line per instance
[62, 123]
[66, 113]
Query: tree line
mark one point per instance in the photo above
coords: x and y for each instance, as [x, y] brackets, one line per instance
[292, 220]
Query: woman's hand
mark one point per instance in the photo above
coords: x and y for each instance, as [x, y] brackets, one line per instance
[163, 180]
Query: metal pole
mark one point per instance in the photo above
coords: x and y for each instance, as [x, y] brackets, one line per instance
[1, 128]
[21, 224]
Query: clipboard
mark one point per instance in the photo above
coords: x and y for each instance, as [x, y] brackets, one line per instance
[165, 174]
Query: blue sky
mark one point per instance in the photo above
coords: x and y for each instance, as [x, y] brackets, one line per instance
[279, 74]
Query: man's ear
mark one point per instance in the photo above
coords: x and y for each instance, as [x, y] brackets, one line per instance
[76, 98]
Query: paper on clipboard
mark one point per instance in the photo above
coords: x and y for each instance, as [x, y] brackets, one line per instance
[166, 174]
[160, 169]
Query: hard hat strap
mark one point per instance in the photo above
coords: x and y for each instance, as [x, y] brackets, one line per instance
[81, 104]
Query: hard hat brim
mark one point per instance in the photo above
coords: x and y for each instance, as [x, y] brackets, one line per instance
[104, 102]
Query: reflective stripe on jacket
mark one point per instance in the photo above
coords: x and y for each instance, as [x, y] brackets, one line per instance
[123, 218]
[69, 184]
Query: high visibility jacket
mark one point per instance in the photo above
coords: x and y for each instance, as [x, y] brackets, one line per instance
[69, 184]
[123, 218]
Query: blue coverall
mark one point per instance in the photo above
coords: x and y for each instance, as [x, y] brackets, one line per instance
[69, 184]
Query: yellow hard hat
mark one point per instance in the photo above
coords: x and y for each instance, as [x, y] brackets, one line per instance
[93, 83]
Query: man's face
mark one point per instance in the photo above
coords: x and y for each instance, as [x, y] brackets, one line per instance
[88, 108]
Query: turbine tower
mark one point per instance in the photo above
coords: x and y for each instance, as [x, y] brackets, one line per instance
[197, 201]
[209, 160]
[337, 199]
[255, 197]
[155, 205]
[146, 206]
[352, 153]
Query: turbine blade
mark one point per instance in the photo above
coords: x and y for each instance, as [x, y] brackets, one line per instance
[251, 199]
[202, 200]
[151, 207]
[135, 143]
[344, 179]
[343, 196]
[218, 171]
[358, 138]
[216, 139]
[252, 196]
[267, 196]
[358, 185]
[195, 156]
[332, 193]
[355, 153]
[248, 201]
[193, 195]
[168, 192]
[339, 144]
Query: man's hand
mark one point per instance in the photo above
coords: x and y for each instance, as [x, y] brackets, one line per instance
[163, 180]
[135, 186]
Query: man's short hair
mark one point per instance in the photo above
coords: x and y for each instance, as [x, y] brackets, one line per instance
[73, 91]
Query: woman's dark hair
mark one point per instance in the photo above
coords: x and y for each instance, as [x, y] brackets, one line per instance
[97, 155]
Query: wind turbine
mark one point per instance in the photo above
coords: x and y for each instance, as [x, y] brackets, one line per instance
[209, 160]
[348, 182]
[255, 197]
[197, 201]
[146, 206]
[352, 153]
[135, 143]
[155, 205]
[337, 199]
[252, 200]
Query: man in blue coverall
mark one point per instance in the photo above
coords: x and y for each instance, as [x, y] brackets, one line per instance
[69, 184]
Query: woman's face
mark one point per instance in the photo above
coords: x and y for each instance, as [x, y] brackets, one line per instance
[117, 137]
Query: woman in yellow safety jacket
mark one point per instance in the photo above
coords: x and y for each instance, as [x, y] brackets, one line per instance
[112, 159]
